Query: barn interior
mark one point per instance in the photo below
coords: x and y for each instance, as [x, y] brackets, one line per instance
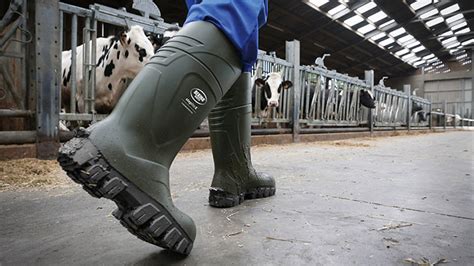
[389, 184]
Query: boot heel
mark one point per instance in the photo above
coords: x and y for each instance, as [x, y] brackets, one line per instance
[221, 199]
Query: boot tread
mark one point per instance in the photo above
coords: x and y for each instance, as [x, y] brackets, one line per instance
[138, 213]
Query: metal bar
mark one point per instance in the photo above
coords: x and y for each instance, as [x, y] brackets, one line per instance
[16, 113]
[293, 56]
[73, 79]
[47, 77]
[369, 79]
[328, 130]
[17, 137]
[93, 63]
[85, 65]
[407, 89]
[445, 113]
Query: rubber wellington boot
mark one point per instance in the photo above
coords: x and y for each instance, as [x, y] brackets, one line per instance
[235, 179]
[127, 156]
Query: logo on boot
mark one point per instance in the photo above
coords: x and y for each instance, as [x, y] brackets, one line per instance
[198, 96]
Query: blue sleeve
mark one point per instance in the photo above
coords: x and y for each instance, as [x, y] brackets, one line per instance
[239, 20]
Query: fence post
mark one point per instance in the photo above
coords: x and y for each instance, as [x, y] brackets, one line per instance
[293, 56]
[369, 79]
[454, 113]
[46, 39]
[407, 90]
[445, 107]
[430, 122]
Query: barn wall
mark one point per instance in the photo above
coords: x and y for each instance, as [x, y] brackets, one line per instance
[455, 86]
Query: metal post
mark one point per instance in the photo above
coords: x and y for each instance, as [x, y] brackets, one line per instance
[445, 107]
[407, 90]
[369, 79]
[85, 64]
[455, 107]
[430, 122]
[72, 104]
[47, 77]
[293, 56]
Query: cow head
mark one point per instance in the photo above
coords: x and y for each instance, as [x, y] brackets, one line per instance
[137, 48]
[159, 40]
[272, 86]
[367, 98]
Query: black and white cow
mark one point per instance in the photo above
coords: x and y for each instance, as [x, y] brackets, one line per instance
[118, 58]
[417, 108]
[159, 40]
[270, 89]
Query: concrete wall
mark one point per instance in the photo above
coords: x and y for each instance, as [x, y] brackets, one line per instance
[459, 94]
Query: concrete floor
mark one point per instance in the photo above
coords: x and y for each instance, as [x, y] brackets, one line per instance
[364, 202]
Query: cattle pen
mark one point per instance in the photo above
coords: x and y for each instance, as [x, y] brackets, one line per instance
[303, 109]
[372, 153]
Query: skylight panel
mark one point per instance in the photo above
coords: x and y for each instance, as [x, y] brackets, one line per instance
[432, 60]
[461, 56]
[336, 10]
[397, 32]
[419, 48]
[465, 30]
[413, 44]
[435, 21]
[419, 4]
[406, 38]
[411, 60]
[402, 52]
[450, 9]
[377, 16]
[454, 18]
[430, 13]
[453, 45]
[418, 63]
[366, 7]
[366, 28]
[387, 23]
[452, 51]
[387, 41]
[408, 56]
[458, 26]
[428, 56]
[353, 20]
[378, 36]
[452, 39]
[468, 42]
[446, 33]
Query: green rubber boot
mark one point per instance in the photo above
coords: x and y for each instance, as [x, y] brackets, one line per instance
[235, 179]
[127, 156]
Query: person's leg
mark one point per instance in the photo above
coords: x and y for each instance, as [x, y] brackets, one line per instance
[235, 179]
[126, 157]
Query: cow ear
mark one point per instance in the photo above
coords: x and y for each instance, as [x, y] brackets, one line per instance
[123, 38]
[287, 84]
[260, 82]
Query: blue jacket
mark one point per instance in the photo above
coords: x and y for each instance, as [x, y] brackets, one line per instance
[239, 20]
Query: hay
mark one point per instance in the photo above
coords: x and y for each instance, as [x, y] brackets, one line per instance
[31, 174]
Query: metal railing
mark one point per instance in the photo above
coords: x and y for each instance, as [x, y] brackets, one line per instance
[329, 98]
[391, 107]
[321, 100]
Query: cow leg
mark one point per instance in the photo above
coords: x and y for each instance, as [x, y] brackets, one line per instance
[235, 179]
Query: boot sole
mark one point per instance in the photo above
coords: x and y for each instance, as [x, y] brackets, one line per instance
[221, 199]
[140, 214]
